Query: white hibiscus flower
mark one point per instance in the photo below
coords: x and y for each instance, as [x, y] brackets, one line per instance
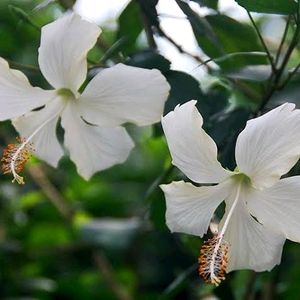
[91, 120]
[262, 210]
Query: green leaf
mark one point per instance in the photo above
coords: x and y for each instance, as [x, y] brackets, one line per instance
[149, 59]
[184, 87]
[204, 34]
[244, 39]
[208, 3]
[130, 27]
[149, 9]
[23, 16]
[214, 34]
[226, 127]
[253, 73]
[284, 7]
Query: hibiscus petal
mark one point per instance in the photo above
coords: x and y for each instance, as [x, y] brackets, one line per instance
[269, 145]
[124, 94]
[190, 208]
[17, 96]
[278, 207]
[193, 151]
[64, 47]
[44, 121]
[251, 245]
[93, 148]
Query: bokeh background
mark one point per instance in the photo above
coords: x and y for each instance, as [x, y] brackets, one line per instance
[64, 238]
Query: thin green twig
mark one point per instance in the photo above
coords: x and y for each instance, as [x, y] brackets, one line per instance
[282, 40]
[183, 276]
[277, 76]
[262, 42]
[232, 55]
[20, 66]
[160, 179]
[291, 74]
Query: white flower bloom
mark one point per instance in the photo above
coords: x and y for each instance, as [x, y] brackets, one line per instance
[91, 120]
[262, 210]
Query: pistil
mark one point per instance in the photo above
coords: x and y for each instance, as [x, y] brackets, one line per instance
[15, 156]
[213, 258]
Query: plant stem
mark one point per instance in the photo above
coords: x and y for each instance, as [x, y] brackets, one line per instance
[40, 178]
[282, 40]
[20, 66]
[262, 42]
[291, 74]
[276, 76]
[179, 48]
[147, 27]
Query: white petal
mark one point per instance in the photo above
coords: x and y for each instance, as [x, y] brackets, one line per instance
[125, 94]
[269, 145]
[93, 148]
[251, 245]
[44, 122]
[17, 96]
[64, 47]
[278, 207]
[193, 151]
[190, 208]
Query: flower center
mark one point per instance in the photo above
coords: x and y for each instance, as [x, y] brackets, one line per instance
[66, 94]
[213, 259]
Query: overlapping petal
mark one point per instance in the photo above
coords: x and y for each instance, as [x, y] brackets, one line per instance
[17, 96]
[190, 208]
[192, 150]
[251, 245]
[43, 123]
[278, 207]
[123, 94]
[93, 148]
[269, 145]
[64, 47]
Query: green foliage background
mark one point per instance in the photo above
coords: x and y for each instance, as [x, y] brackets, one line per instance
[64, 238]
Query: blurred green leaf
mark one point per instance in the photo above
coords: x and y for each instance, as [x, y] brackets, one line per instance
[179, 283]
[149, 9]
[215, 38]
[149, 59]
[111, 234]
[284, 7]
[130, 27]
[208, 3]
[184, 87]
[44, 235]
[23, 16]
[231, 122]
[203, 32]
[30, 199]
[244, 39]
[253, 73]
